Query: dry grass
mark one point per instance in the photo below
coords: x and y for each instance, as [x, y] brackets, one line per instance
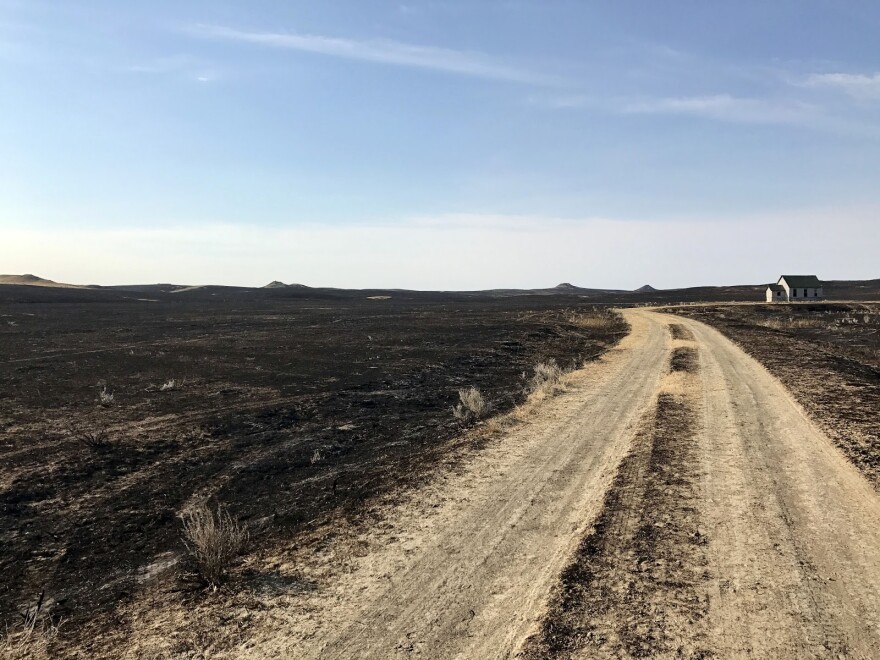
[790, 323]
[214, 540]
[168, 385]
[547, 374]
[32, 638]
[472, 405]
[596, 320]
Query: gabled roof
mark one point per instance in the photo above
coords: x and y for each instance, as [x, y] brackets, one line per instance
[801, 281]
[775, 287]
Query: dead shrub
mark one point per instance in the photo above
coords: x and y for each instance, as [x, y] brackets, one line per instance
[472, 405]
[214, 540]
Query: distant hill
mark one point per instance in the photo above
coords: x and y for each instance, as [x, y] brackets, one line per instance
[31, 288]
[33, 280]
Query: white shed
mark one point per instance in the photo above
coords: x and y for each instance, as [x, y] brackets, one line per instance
[795, 288]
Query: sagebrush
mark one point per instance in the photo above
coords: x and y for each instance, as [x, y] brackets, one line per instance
[214, 540]
[472, 405]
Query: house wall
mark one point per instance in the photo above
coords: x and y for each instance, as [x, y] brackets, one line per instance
[794, 294]
[772, 297]
[809, 293]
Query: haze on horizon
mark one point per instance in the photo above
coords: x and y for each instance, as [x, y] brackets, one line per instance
[439, 144]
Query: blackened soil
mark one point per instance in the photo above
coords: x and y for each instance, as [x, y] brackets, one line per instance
[827, 355]
[287, 410]
[684, 358]
[680, 332]
[633, 587]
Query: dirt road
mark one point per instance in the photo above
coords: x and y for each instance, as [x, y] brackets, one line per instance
[794, 528]
[785, 532]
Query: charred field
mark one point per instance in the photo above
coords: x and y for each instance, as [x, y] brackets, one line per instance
[119, 410]
[827, 355]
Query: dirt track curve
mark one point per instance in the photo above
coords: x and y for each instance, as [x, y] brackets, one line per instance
[790, 530]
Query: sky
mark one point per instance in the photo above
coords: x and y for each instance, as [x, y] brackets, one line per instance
[439, 144]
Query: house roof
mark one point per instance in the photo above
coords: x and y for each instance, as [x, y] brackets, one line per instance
[801, 281]
[775, 287]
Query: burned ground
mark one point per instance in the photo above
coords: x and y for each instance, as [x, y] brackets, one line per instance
[827, 355]
[684, 358]
[288, 409]
[679, 332]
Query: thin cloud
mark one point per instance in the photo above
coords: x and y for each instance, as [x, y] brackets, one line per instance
[176, 65]
[563, 101]
[858, 85]
[728, 108]
[382, 51]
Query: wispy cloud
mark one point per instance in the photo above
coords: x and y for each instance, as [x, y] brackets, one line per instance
[728, 108]
[563, 101]
[466, 63]
[857, 85]
[176, 65]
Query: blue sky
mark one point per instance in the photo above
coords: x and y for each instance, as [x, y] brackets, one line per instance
[439, 144]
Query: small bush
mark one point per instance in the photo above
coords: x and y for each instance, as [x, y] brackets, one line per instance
[214, 540]
[472, 405]
[546, 375]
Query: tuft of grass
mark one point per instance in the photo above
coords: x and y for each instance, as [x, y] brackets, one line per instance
[32, 637]
[547, 374]
[214, 540]
[168, 385]
[96, 440]
[472, 405]
[105, 397]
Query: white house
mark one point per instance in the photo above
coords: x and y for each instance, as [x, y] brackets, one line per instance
[795, 288]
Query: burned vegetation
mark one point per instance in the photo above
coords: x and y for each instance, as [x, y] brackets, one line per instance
[117, 417]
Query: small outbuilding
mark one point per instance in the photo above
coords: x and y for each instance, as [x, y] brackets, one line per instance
[795, 288]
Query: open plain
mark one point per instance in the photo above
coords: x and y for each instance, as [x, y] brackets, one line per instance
[667, 497]
[294, 410]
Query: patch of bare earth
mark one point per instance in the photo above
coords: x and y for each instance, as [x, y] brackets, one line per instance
[635, 587]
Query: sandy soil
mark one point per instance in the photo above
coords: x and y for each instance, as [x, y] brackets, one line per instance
[794, 527]
[741, 530]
